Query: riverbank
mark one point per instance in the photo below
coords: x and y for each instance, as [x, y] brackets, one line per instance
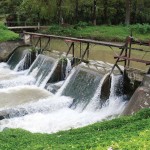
[6, 35]
[122, 133]
[113, 33]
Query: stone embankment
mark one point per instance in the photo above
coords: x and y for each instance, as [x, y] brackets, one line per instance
[6, 48]
[140, 98]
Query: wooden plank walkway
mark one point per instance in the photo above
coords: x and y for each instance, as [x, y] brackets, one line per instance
[27, 27]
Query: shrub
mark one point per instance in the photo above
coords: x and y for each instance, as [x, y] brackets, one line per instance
[81, 25]
[141, 28]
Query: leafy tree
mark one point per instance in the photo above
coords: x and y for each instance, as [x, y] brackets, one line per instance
[74, 11]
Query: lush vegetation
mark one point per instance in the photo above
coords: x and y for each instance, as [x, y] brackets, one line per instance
[6, 34]
[77, 17]
[107, 33]
[72, 11]
[126, 133]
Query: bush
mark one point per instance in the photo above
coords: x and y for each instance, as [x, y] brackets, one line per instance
[141, 28]
[81, 25]
[3, 27]
[59, 30]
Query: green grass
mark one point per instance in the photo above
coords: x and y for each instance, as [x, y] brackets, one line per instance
[125, 133]
[103, 32]
[6, 34]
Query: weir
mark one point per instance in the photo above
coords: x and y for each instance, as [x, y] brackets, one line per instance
[42, 68]
[82, 86]
[44, 71]
[48, 70]
[21, 58]
[91, 92]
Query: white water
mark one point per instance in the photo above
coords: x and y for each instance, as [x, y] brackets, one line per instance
[11, 78]
[68, 68]
[61, 117]
[42, 69]
[38, 76]
[66, 82]
[20, 65]
[47, 113]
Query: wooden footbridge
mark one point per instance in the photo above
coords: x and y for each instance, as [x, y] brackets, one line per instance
[125, 49]
[26, 28]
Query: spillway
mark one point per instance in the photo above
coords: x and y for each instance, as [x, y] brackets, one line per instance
[76, 104]
[66, 109]
[42, 69]
[21, 58]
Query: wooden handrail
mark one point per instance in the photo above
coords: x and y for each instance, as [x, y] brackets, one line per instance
[110, 44]
[134, 59]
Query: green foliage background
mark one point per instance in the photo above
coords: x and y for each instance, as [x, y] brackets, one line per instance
[46, 11]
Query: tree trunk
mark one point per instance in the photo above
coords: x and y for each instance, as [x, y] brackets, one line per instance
[105, 11]
[76, 10]
[94, 13]
[59, 11]
[128, 12]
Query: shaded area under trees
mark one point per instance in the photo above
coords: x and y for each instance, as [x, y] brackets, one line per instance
[72, 11]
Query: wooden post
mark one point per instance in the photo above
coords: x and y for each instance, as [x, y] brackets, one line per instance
[69, 48]
[130, 44]
[117, 61]
[49, 40]
[88, 52]
[73, 49]
[40, 45]
[31, 39]
[80, 50]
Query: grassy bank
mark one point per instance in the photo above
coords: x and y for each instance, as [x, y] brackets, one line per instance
[6, 34]
[126, 133]
[106, 33]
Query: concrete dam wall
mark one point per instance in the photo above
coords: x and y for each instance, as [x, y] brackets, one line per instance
[140, 98]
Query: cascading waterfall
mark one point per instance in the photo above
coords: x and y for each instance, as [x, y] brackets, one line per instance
[82, 87]
[24, 63]
[68, 68]
[42, 69]
[95, 102]
[24, 103]
[65, 109]
[21, 57]
[38, 74]
[59, 74]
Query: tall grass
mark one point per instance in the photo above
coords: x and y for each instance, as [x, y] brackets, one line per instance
[103, 32]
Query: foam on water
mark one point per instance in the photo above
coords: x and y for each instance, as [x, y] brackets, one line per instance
[63, 118]
[11, 78]
[40, 111]
[54, 114]
[16, 80]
